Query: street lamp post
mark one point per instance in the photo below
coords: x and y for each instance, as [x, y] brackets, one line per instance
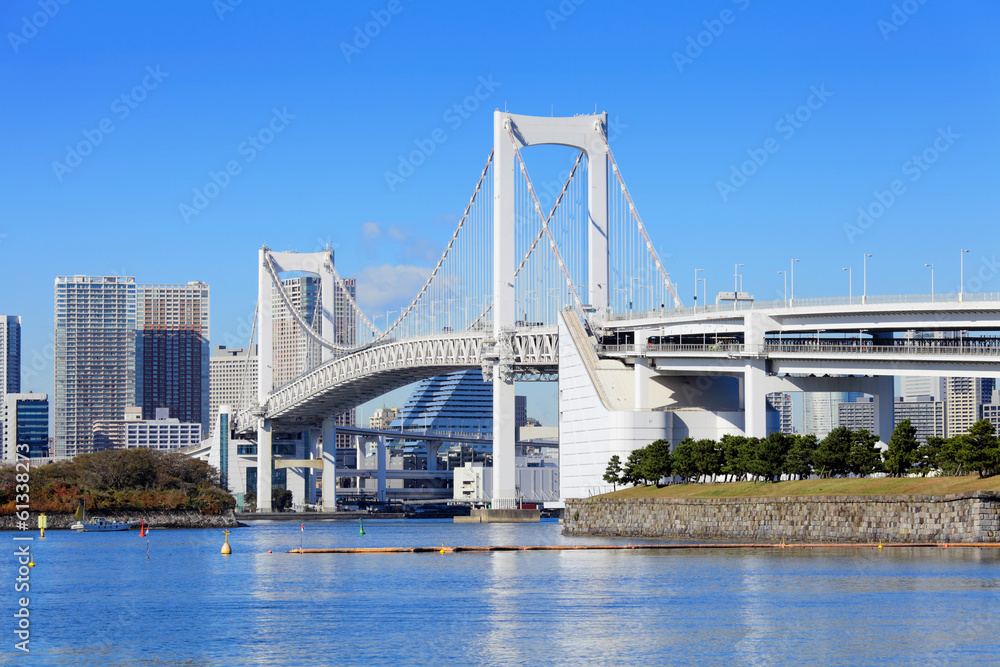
[696, 289]
[850, 285]
[961, 264]
[784, 286]
[864, 298]
[932, 281]
[791, 300]
[736, 284]
[704, 290]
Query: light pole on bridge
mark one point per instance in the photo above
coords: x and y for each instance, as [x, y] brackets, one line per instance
[850, 285]
[736, 284]
[791, 300]
[864, 298]
[932, 281]
[961, 275]
[784, 286]
[696, 289]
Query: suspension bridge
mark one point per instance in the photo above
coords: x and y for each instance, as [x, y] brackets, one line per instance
[574, 291]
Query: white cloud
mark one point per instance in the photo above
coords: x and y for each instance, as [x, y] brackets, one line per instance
[371, 230]
[389, 286]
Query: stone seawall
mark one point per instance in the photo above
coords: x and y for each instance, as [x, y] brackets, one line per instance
[153, 519]
[967, 517]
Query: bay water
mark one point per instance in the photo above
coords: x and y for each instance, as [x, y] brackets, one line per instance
[96, 599]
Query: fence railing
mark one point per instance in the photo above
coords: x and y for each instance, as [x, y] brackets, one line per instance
[972, 350]
[871, 300]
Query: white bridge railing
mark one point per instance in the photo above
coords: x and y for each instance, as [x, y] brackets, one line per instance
[871, 300]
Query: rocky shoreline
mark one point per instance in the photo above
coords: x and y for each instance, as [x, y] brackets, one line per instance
[153, 518]
[972, 517]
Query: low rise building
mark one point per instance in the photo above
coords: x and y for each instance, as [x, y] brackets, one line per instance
[25, 422]
[132, 432]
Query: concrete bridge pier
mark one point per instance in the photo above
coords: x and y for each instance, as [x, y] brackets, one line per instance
[265, 465]
[433, 446]
[884, 410]
[329, 452]
[381, 469]
[754, 399]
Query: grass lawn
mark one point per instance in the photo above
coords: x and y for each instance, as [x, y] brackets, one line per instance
[906, 486]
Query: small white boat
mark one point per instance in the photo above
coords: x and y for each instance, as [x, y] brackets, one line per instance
[98, 524]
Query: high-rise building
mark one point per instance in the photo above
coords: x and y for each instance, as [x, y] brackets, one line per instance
[25, 422]
[858, 414]
[820, 413]
[925, 414]
[918, 385]
[233, 379]
[94, 356]
[172, 351]
[782, 404]
[991, 410]
[10, 360]
[10, 354]
[964, 400]
[119, 344]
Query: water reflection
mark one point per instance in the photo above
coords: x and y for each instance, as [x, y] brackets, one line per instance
[97, 600]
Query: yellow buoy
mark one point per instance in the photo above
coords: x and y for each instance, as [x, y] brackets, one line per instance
[226, 549]
[43, 523]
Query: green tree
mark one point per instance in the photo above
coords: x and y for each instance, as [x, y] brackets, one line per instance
[950, 455]
[902, 452]
[735, 456]
[684, 459]
[925, 459]
[707, 458]
[979, 450]
[799, 460]
[633, 467]
[657, 463]
[865, 457]
[832, 454]
[612, 474]
[281, 499]
[771, 452]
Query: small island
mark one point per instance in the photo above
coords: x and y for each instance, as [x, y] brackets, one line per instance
[166, 490]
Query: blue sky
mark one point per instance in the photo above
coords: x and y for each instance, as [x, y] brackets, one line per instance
[695, 90]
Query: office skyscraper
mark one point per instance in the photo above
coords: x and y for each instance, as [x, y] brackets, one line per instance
[10, 354]
[233, 379]
[820, 410]
[172, 351]
[964, 399]
[10, 360]
[119, 344]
